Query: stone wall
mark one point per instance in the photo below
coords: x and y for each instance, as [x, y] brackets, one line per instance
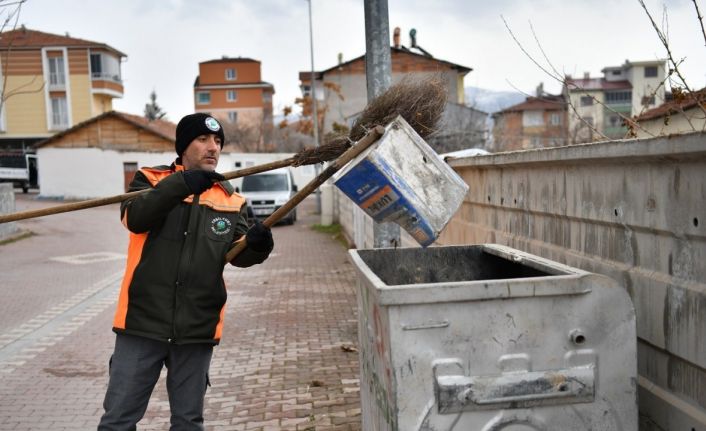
[7, 205]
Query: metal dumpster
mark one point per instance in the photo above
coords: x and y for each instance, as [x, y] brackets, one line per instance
[486, 337]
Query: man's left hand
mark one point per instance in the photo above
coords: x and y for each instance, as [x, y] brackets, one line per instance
[259, 237]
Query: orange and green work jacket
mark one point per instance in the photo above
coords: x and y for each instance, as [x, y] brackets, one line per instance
[173, 288]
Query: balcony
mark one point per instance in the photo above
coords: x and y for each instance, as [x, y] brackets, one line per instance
[106, 77]
[105, 74]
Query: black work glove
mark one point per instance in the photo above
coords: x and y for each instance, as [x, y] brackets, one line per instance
[199, 181]
[259, 238]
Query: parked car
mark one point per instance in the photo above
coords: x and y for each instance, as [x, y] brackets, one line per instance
[468, 152]
[266, 192]
[18, 168]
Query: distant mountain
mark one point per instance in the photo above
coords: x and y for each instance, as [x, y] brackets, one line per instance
[492, 101]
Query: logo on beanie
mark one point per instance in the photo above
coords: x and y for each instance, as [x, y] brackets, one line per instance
[212, 124]
[220, 225]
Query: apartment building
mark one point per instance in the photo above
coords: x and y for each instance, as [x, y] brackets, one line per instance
[342, 88]
[53, 82]
[232, 90]
[341, 91]
[538, 122]
[623, 91]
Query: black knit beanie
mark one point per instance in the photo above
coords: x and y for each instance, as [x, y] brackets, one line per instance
[194, 125]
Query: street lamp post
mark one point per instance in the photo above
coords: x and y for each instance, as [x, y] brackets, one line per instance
[314, 110]
[378, 75]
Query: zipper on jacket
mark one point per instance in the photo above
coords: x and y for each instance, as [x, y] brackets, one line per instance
[184, 260]
[178, 283]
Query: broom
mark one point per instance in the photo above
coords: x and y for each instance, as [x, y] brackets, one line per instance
[419, 102]
[422, 102]
[307, 156]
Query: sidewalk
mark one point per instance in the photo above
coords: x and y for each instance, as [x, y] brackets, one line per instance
[280, 365]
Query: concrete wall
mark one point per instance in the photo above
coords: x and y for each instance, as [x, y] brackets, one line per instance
[633, 210]
[7, 206]
[80, 173]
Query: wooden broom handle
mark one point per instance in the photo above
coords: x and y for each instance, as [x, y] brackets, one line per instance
[370, 138]
[75, 206]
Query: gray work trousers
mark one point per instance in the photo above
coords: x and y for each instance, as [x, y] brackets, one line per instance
[134, 370]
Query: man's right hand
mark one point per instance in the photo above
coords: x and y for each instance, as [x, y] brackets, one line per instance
[199, 181]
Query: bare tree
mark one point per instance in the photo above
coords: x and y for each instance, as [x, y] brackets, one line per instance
[461, 127]
[244, 137]
[586, 129]
[12, 18]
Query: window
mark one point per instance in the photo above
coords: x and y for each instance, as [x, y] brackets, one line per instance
[233, 116]
[536, 142]
[265, 183]
[306, 90]
[238, 164]
[104, 66]
[588, 120]
[533, 118]
[267, 97]
[618, 97]
[615, 120]
[616, 72]
[651, 72]
[231, 95]
[555, 119]
[56, 71]
[203, 98]
[586, 100]
[59, 113]
[230, 75]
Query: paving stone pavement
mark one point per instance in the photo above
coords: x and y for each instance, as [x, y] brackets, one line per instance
[280, 364]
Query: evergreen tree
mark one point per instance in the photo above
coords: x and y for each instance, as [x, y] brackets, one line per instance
[152, 110]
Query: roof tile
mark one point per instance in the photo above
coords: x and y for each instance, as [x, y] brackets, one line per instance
[25, 38]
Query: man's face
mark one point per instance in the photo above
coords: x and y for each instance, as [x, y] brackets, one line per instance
[202, 153]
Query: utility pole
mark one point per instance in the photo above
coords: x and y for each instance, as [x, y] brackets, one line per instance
[378, 75]
[314, 110]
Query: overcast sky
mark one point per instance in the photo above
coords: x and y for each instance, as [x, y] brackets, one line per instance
[166, 39]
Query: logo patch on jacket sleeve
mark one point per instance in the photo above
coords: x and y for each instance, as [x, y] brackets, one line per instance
[220, 225]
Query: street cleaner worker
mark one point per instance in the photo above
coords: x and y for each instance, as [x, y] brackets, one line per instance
[172, 300]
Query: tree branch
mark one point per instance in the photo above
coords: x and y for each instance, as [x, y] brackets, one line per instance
[507, 26]
[701, 20]
[665, 43]
[16, 91]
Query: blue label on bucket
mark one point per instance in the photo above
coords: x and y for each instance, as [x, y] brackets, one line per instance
[383, 200]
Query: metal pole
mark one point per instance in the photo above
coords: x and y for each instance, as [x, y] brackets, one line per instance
[314, 109]
[378, 74]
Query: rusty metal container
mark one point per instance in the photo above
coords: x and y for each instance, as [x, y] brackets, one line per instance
[486, 337]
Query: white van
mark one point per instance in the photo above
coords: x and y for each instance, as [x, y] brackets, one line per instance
[18, 168]
[267, 191]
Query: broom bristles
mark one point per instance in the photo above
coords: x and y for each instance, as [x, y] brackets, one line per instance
[325, 153]
[420, 102]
